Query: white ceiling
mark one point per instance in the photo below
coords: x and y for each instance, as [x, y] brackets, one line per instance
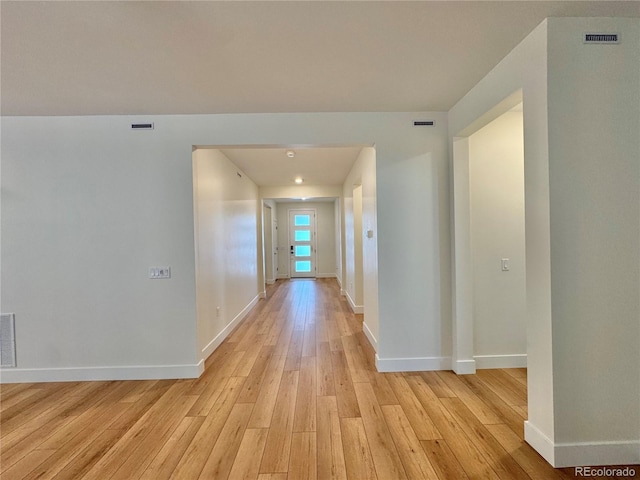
[152, 57]
[315, 165]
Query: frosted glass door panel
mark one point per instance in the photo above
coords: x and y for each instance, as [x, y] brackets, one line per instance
[302, 236]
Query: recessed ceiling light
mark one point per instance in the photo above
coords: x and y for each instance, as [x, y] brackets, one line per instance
[291, 153]
[298, 180]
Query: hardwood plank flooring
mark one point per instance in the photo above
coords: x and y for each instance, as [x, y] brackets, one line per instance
[291, 394]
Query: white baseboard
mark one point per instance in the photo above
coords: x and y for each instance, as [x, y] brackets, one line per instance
[464, 367]
[271, 282]
[343, 292]
[263, 294]
[89, 374]
[283, 276]
[326, 275]
[417, 364]
[215, 343]
[354, 307]
[539, 441]
[501, 361]
[562, 455]
[370, 337]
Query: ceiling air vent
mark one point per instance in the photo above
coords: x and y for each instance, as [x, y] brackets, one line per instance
[142, 126]
[601, 38]
[424, 123]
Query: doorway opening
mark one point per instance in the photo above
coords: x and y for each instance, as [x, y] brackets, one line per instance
[489, 232]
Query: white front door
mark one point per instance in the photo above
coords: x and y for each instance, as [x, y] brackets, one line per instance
[302, 243]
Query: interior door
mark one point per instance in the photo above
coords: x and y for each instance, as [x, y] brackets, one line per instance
[302, 240]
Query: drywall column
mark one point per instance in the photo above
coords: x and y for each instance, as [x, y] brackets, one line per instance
[357, 247]
[462, 329]
[521, 75]
[594, 170]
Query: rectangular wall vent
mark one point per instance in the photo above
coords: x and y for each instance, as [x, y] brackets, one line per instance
[7, 340]
[424, 123]
[601, 38]
[142, 126]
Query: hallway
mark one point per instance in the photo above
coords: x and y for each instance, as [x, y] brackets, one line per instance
[291, 394]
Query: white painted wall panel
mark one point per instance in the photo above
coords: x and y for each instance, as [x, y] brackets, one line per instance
[496, 184]
[226, 244]
[88, 205]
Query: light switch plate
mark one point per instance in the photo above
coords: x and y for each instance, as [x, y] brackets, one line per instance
[159, 272]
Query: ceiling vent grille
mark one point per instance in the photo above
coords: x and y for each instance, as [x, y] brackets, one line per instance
[142, 126]
[601, 38]
[424, 123]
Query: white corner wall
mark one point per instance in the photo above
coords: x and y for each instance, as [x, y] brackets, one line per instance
[496, 189]
[88, 205]
[271, 256]
[353, 242]
[582, 209]
[337, 217]
[594, 168]
[226, 246]
[365, 270]
[525, 68]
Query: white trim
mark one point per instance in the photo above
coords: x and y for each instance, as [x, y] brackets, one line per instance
[593, 454]
[369, 335]
[87, 374]
[501, 361]
[562, 455]
[539, 441]
[263, 294]
[215, 343]
[271, 282]
[416, 364]
[326, 275]
[283, 276]
[354, 307]
[343, 292]
[464, 367]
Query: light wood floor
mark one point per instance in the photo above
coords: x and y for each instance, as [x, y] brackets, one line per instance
[291, 394]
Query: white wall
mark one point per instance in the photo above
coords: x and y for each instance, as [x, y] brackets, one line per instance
[525, 68]
[271, 256]
[325, 236]
[87, 207]
[354, 289]
[87, 194]
[337, 217]
[363, 174]
[226, 254]
[496, 187]
[582, 207]
[358, 236]
[594, 165]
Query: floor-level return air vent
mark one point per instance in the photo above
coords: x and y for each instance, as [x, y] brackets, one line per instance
[142, 126]
[424, 123]
[601, 38]
[7, 340]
